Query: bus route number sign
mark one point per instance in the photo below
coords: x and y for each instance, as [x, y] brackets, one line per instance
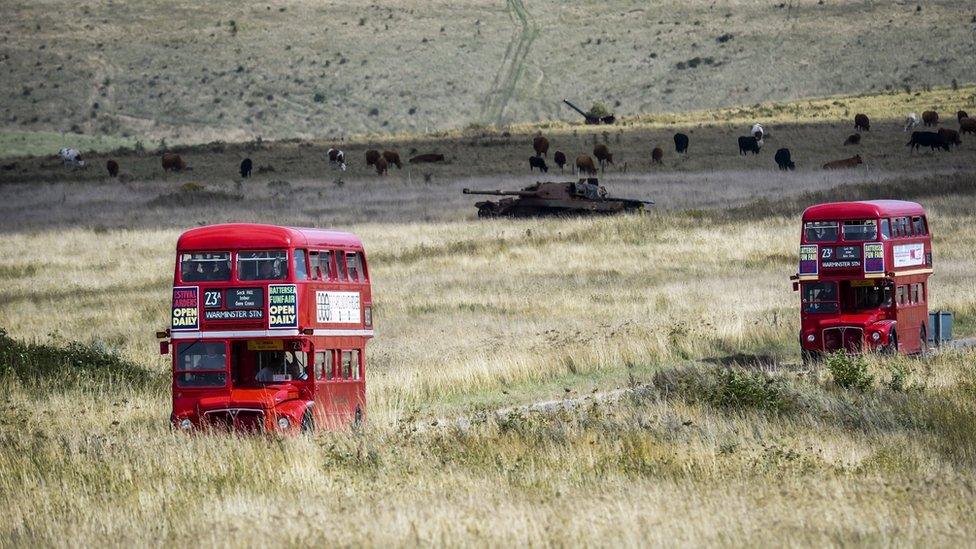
[186, 308]
[282, 306]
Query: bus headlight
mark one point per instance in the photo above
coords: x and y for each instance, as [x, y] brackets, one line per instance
[186, 424]
[283, 423]
[876, 336]
[811, 338]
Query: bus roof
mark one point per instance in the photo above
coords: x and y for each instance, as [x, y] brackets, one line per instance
[863, 209]
[235, 236]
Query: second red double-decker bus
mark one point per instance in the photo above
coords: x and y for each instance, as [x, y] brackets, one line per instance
[269, 328]
[863, 277]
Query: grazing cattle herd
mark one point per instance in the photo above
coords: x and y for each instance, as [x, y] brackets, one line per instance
[943, 139]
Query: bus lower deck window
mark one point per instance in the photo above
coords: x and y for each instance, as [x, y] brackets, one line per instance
[323, 364]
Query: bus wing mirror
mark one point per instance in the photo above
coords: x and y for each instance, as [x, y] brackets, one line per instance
[796, 286]
[164, 347]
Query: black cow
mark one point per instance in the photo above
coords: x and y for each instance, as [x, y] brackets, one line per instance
[680, 143]
[927, 139]
[783, 160]
[246, 166]
[749, 143]
[538, 162]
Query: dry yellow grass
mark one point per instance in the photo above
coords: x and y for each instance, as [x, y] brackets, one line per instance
[479, 315]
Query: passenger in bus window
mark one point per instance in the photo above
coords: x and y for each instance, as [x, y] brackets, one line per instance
[213, 360]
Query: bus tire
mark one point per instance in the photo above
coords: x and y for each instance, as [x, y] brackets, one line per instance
[308, 422]
[892, 347]
[358, 418]
[809, 357]
[923, 342]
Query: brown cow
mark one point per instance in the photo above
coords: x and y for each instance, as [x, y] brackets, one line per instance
[853, 139]
[851, 162]
[425, 158]
[113, 168]
[393, 157]
[967, 125]
[372, 156]
[559, 157]
[541, 145]
[584, 164]
[951, 136]
[381, 166]
[862, 122]
[603, 155]
[173, 162]
[930, 118]
[656, 155]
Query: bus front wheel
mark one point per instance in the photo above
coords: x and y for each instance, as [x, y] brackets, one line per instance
[809, 357]
[308, 423]
[892, 346]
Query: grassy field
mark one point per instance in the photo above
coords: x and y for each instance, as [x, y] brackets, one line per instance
[193, 71]
[725, 438]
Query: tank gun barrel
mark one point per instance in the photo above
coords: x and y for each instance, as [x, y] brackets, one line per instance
[575, 108]
[498, 193]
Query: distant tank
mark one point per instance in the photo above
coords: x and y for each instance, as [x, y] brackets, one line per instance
[583, 197]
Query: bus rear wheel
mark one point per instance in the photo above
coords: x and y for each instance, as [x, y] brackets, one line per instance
[923, 342]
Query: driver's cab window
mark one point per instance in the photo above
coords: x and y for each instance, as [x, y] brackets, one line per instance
[279, 366]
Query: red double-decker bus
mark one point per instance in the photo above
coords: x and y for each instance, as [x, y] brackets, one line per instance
[863, 277]
[269, 328]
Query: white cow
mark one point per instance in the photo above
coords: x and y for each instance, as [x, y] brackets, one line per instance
[337, 159]
[912, 121]
[71, 157]
[758, 131]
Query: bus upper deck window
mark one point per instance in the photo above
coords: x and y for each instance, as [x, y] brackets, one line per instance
[885, 229]
[319, 263]
[918, 223]
[858, 231]
[271, 265]
[301, 267]
[901, 227]
[820, 231]
[354, 267]
[340, 266]
[205, 266]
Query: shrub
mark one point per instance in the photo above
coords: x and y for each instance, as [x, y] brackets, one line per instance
[732, 388]
[849, 371]
[68, 364]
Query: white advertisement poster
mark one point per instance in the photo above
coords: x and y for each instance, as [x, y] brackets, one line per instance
[337, 307]
[907, 255]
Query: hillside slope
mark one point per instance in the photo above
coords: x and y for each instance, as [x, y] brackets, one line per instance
[294, 68]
